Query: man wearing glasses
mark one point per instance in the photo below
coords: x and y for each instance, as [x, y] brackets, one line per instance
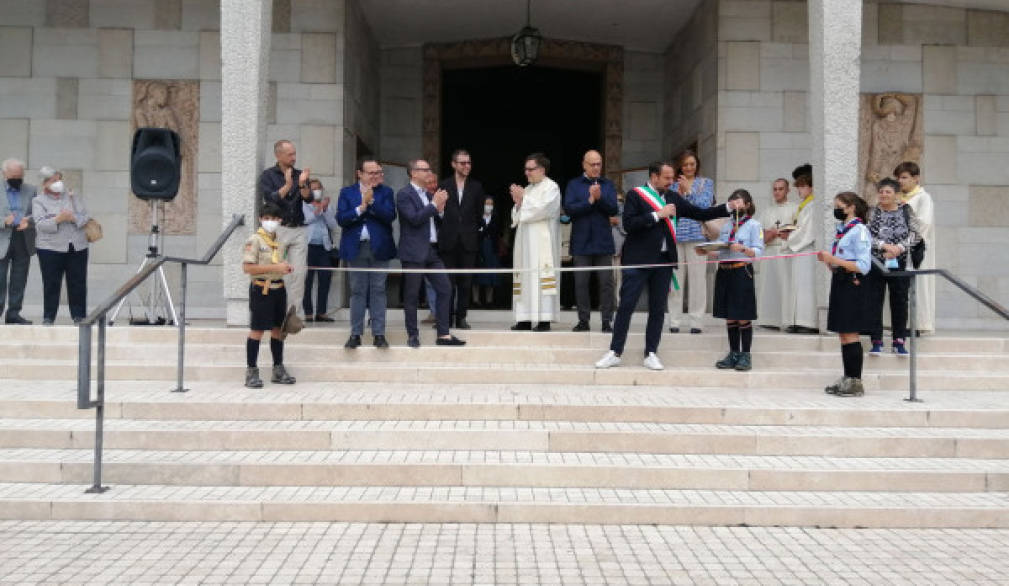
[365, 212]
[536, 218]
[459, 237]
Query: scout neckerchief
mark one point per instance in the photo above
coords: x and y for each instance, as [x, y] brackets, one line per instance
[732, 233]
[805, 202]
[274, 256]
[656, 202]
[906, 197]
[842, 231]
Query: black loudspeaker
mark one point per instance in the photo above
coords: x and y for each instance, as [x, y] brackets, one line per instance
[155, 164]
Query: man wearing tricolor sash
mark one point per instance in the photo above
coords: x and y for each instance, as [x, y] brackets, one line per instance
[535, 217]
[649, 219]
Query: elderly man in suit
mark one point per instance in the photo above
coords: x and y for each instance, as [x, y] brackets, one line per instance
[365, 212]
[459, 236]
[419, 216]
[17, 239]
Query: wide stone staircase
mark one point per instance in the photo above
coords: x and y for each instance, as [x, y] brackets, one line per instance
[513, 427]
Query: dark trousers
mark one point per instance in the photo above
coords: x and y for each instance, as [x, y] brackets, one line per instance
[582, 280]
[57, 266]
[411, 293]
[17, 262]
[633, 282]
[899, 287]
[459, 258]
[317, 257]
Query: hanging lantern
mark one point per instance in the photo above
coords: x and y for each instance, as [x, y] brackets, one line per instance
[526, 43]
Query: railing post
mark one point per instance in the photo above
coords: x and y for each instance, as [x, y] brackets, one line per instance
[912, 344]
[84, 367]
[180, 387]
[96, 486]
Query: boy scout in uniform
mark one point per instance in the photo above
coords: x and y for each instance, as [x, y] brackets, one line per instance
[262, 261]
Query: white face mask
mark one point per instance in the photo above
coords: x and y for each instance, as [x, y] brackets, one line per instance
[488, 210]
[317, 194]
[271, 225]
[56, 187]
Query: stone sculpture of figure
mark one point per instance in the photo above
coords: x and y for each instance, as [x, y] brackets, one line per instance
[893, 138]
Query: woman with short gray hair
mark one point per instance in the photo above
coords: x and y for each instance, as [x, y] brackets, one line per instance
[62, 246]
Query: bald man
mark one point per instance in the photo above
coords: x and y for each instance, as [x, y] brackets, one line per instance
[591, 200]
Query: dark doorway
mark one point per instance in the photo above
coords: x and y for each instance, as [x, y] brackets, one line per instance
[502, 114]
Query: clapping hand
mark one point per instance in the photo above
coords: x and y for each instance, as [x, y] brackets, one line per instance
[683, 185]
[440, 199]
[304, 177]
[517, 193]
[64, 216]
[366, 198]
[595, 192]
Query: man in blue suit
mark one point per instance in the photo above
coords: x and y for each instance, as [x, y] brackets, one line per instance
[419, 220]
[366, 211]
[591, 200]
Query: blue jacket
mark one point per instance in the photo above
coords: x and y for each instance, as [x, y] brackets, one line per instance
[378, 218]
[591, 233]
[415, 225]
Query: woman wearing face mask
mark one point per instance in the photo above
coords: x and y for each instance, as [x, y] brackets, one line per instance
[895, 230]
[320, 218]
[490, 242]
[735, 298]
[60, 216]
[851, 292]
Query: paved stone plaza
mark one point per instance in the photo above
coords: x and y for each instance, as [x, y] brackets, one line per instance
[342, 553]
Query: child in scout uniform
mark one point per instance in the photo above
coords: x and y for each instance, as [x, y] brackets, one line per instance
[735, 297]
[851, 293]
[262, 260]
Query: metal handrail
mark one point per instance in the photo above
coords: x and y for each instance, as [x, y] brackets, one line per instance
[98, 315]
[977, 294]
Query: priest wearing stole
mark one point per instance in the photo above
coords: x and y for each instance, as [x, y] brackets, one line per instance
[536, 218]
[800, 314]
[773, 276]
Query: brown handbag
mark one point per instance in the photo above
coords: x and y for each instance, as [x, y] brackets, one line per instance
[92, 230]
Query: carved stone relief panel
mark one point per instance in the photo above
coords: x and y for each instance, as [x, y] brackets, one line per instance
[890, 132]
[174, 105]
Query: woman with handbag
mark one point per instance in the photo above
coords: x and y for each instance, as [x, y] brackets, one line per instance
[699, 191]
[62, 244]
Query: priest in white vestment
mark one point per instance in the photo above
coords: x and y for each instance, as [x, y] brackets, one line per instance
[536, 218]
[774, 276]
[800, 315]
[921, 202]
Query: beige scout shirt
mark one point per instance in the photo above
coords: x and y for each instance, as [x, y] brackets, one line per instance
[258, 251]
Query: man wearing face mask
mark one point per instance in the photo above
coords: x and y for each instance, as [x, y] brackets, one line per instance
[320, 217]
[17, 239]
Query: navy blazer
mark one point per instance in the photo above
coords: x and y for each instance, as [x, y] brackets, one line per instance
[378, 218]
[591, 233]
[415, 225]
[643, 244]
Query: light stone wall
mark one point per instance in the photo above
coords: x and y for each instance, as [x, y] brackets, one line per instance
[957, 58]
[643, 108]
[66, 71]
[401, 103]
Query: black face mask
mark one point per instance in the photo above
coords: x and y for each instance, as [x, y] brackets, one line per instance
[839, 213]
[15, 184]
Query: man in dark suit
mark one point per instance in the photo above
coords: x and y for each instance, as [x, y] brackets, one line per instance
[649, 218]
[459, 237]
[17, 239]
[366, 211]
[419, 216]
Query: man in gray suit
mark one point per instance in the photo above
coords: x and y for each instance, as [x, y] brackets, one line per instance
[17, 239]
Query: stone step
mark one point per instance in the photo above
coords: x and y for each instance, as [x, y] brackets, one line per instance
[298, 355]
[335, 336]
[467, 504]
[543, 436]
[508, 468]
[207, 401]
[461, 373]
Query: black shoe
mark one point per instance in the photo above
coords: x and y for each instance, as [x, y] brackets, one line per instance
[674, 330]
[462, 324]
[281, 377]
[413, 341]
[381, 342]
[353, 341]
[47, 322]
[18, 320]
[450, 341]
[695, 330]
[792, 330]
[522, 326]
[324, 318]
[309, 319]
[252, 379]
[582, 326]
[743, 361]
[730, 361]
[607, 328]
[543, 326]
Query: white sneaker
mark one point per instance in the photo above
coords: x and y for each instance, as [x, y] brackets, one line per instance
[609, 359]
[652, 362]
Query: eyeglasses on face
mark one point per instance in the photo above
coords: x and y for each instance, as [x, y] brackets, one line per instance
[422, 169]
[464, 162]
[530, 169]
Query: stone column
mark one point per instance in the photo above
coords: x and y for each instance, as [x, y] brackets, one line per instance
[245, 61]
[835, 47]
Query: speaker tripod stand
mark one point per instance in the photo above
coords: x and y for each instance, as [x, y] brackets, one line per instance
[159, 296]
